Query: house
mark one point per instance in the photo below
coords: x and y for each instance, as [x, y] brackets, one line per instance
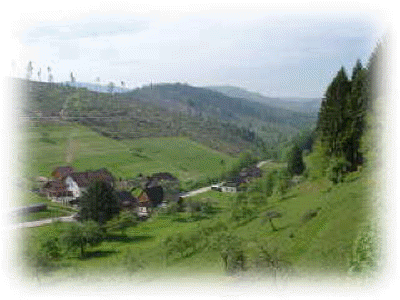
[149, 197]
[233, 185]
[127, 201]
[169, 184]
[145, 205]
[163, 176]
[250, 172]
[68, 186]
[57, 191]
[154, 192]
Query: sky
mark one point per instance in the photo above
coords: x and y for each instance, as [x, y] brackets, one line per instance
[282, 53]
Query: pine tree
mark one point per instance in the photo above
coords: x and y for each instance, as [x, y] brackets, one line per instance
[295, 162]
[99, 203]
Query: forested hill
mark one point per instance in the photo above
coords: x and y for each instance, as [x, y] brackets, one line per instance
[211, 103]
[226, 124]
[304, 105]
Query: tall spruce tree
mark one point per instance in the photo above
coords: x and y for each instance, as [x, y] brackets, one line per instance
[295, 161]
[342, 116]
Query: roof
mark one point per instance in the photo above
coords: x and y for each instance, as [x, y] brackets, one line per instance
[84, 179]
[163, 176]
[126, 199]
[63, 171]
[57, 188]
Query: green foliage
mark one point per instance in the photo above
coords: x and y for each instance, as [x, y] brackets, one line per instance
[42, 259]
[241, 208]
[295, 161]
[337, 169]
[318, 162]
[231, 252]
[344, 111]
[269, 183]
[282, 186]
[132, 262]
[365, 252]
[122, 222]
[80, 236]
[99, 203]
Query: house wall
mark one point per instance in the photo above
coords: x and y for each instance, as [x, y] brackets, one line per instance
[228, 189]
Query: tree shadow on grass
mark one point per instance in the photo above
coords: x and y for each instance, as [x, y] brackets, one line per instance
[97, 254]
[190, 219]
[127, 239]
[288, 197]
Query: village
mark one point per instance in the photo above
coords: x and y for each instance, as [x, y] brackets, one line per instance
[140, 195]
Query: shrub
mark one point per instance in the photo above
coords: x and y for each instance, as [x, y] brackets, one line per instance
[337, 168]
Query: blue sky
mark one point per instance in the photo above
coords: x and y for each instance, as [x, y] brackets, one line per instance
[279, 54]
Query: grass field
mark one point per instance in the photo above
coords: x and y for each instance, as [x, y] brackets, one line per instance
[322, 244]
[45, 147]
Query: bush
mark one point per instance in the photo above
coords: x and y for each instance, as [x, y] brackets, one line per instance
[231, 252]
[132, 262]
[337, 168]
[80, 236]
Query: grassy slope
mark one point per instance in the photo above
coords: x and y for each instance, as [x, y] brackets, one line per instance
[323, 244]
[88, 150]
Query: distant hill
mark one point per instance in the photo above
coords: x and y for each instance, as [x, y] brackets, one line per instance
[308, 105]
[96, 87]
[207, 102]
[223, 123]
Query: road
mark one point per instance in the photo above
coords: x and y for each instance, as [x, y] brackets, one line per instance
[71, 219]
[42, 222]
[208, 188]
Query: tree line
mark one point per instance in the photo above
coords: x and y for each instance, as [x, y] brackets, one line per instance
[343, 114]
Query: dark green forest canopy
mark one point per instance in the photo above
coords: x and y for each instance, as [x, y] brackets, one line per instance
[342, 117]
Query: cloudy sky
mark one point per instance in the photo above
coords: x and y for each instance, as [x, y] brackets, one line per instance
[277, 53]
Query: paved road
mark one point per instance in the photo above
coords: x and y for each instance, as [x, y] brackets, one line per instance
[42, 222]
[208, 188]
[71, 219]
[199, 191]
[261, 163]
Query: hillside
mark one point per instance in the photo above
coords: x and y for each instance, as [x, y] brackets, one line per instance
[302, 246]
[303, 105]
[226, 124]
[207, 102]
[47, 146]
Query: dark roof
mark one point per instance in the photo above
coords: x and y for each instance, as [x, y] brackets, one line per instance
[126, 199]
[253, 171]
[163, 176]
[154, 194]
[56, 188]
[63, 171]
[84, 179]
[125, 196]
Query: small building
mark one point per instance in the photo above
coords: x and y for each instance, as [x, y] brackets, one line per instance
[127, 201]
[233, 185]
[57, 191]
[68, 185]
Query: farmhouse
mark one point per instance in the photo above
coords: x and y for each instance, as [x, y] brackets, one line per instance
[233, 185]
[57, 191]
[150, 196]
[67, 185]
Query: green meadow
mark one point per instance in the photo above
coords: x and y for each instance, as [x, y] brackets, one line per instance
[308, 247]
[44, 147]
